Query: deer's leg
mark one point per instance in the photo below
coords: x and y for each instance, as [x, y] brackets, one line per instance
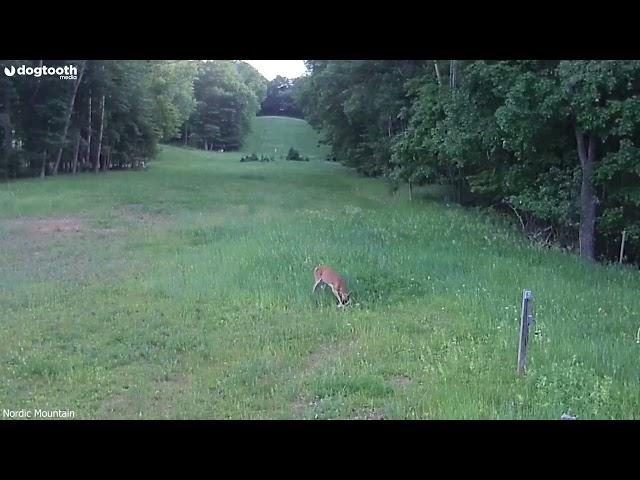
[336, 295]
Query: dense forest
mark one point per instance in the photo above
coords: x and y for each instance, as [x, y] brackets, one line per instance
[553, 143]
[113, 114]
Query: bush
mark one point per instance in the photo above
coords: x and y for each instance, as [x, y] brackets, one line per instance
[295, 156]
[254, 158]
[250, 158]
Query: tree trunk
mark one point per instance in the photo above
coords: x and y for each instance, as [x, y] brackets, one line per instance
[453, 74]
[104, 168]
[44, 164]
[7, 141]
[89, 131]
[35, 91]
[410, 191]
[74, 168]
[186, 134]
[43, 169]
[587, 154]
[96, 163]
[624, 236]
[435, 64]
[72, 100]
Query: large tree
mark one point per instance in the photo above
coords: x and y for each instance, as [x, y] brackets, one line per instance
[555, 142]
[225, 105]
[359, 105]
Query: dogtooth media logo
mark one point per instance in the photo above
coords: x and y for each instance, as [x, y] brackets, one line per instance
[68, 72]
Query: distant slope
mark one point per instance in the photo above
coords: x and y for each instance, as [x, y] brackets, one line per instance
[281, 133]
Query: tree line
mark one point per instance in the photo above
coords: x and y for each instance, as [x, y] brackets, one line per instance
[554, 143]
[113, 114]
[281, 98]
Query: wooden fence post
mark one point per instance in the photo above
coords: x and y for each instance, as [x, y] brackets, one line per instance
[525, 322]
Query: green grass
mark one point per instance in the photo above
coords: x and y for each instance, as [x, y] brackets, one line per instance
[184, 292]
[274, 136]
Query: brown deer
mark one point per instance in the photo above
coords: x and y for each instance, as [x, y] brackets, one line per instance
[328, 276]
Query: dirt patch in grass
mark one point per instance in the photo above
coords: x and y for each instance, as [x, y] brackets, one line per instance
[131, 214]
[166, 391]
[162, 405]
[116, 407]
[400, 381]
[374, 415]
[58, 248]
[319, 358]
[37, 227]
[299, 406]
[44, 230]
[324, 354]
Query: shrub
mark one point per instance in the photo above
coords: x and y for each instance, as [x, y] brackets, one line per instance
[254, 158]
[295, 156]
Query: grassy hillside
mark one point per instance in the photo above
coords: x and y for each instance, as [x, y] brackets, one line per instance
[275, 135]
[184, 291]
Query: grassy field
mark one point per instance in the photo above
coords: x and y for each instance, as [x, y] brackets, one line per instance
[274, 136]
[184, 292]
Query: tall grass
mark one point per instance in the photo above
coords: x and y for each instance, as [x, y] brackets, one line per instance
[187, 294]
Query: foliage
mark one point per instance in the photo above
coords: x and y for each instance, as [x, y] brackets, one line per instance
[225, 106]
[209, 104]
[254, 158]
[280, 98]
[498, 133]
[294, 155]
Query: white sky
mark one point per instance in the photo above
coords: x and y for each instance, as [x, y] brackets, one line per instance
[272, 68]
